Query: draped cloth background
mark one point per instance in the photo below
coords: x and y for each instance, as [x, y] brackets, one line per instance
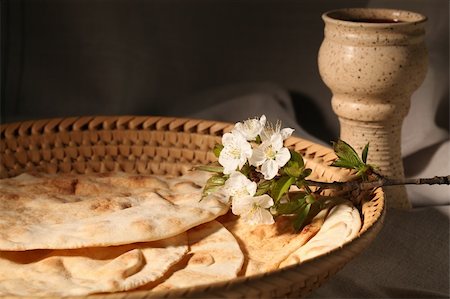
[231, 60]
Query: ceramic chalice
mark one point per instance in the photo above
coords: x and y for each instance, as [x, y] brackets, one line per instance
[373, 60]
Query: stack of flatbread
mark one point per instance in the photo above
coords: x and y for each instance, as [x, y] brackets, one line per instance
[74, 235]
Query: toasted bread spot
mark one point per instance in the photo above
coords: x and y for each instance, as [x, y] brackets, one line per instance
[103, 205]
[86, 188]
[5, 195]
[202, 258]
[174, 222]
[125, 205]
[55, 265]
[143, 225]
[139, 181]
[63, 186]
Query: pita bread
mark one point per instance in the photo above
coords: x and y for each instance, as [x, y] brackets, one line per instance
[266, 246]
[80, 272]
[214, 256]
[340, 226]
[48, 212]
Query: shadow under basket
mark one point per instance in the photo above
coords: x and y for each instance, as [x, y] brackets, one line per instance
[164, 145]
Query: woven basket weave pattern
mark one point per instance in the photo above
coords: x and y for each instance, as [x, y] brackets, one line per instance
[100, 144]
[163, 145]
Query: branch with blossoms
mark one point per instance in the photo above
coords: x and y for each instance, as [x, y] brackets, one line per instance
[256, 172]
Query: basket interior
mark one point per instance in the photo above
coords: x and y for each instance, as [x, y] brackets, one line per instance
[146, 145]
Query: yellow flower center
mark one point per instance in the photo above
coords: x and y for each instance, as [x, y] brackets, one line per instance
[235, 153]
[254, 208]
[270, 153]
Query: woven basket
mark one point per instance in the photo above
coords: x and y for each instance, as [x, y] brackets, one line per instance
[161, 145]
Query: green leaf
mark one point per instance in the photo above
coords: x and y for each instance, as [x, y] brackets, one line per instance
[301, 217]
[295, 156]
[286, 208]
[347, 156]
[343, 164]
[292, 169]
[295, 203]
[212, 184]
[216, 180]
[217, 149]
[345, 152]
[300, 183]
[295, 166]
[208, 191]
[210, 168]
[306, 172]
[297, 195]
[280, 187]
[263, 187]
[246, 169]
[364, 153]
[290, 207]
[363, 171]
[310, 199]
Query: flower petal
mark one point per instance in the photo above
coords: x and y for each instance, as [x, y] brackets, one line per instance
[262, 121]
[251, 188]
[282, 157]
[264, 201]
[258, 216]
[286, 132]
[258, 157]
[238, 185]
[265, 217]
[269, 169]
[250, 128]
[241, 205]
[228, 162]
[244, 146]
[227, 138]
[276, 141]
[235, 152]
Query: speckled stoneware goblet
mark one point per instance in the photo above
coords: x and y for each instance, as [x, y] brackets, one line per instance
[373, 60]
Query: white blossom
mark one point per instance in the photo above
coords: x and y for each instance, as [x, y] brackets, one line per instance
[270, 155]
[270, 130]
[250, 128]
[236, 150]
[253, 209]
[238, 186]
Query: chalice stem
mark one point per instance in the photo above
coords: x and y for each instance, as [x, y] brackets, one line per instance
[384, 151]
